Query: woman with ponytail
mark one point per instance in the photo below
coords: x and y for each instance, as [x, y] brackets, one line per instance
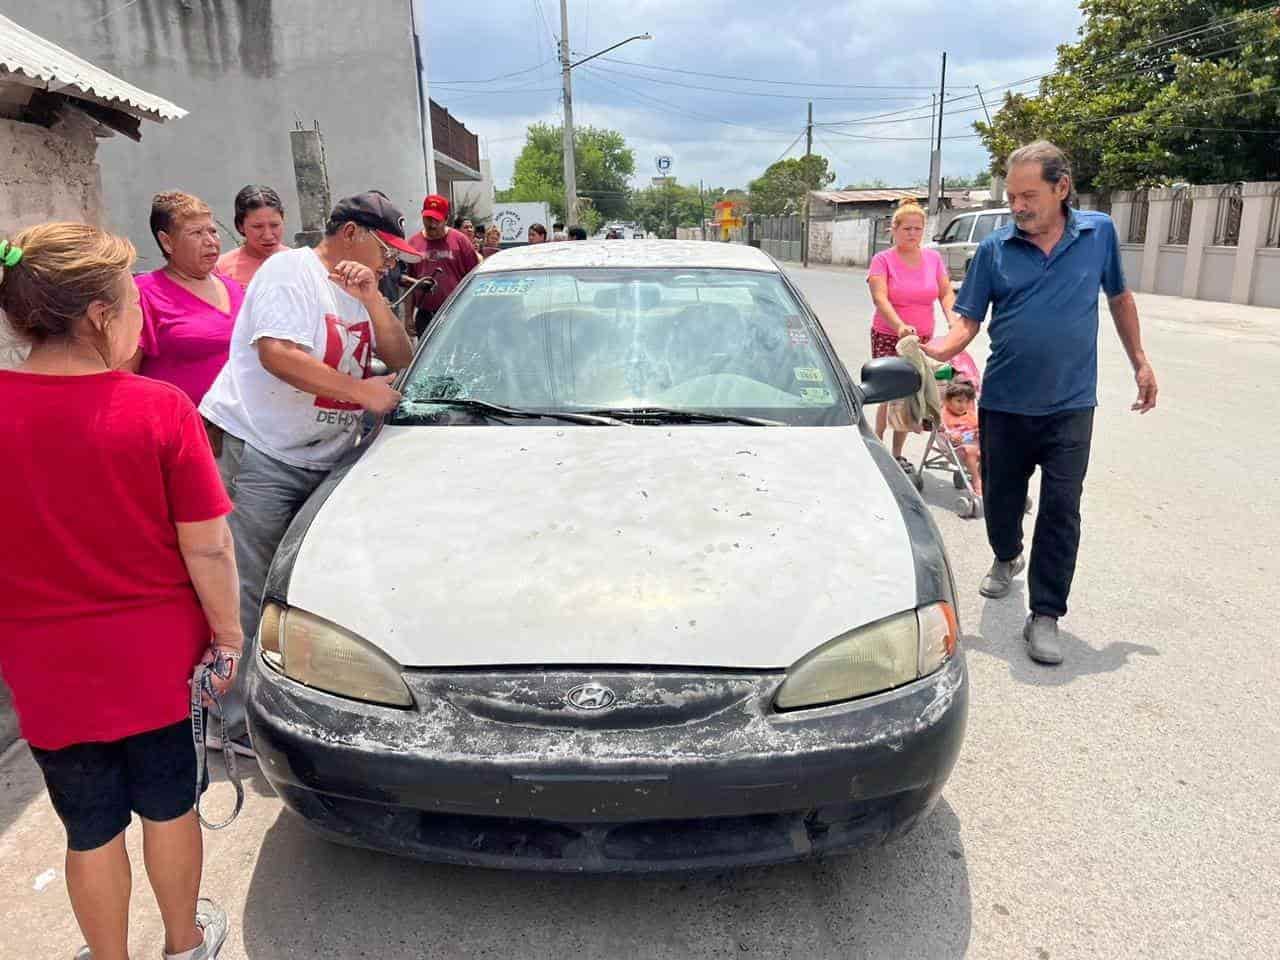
[906, 281]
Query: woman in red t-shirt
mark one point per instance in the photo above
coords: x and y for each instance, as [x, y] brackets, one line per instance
[121, 577]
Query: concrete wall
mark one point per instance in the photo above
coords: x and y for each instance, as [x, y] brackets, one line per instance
[248, 70]
[1171, 267]
[820, 241]
[1266, 279]
[1216, 273]
[48, 174]
[851, 242]
[1243, 273]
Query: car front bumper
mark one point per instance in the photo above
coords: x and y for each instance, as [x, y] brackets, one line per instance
[689, 770]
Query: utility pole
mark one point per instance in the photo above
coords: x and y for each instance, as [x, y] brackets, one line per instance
[983, 101]
[570, 170]
[702, 212]
[935, 176]
[808, 152]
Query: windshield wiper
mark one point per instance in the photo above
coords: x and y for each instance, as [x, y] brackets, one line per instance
[673, 415]
[496, 409]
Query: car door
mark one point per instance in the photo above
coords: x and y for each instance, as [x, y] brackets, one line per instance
[953, 244]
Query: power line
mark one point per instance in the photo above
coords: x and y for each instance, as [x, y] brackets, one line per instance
[503, 76]
[591, 71]
[740, 93]
[787, 83]
[790, 148]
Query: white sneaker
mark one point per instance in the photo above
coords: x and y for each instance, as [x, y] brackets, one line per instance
[212, 921]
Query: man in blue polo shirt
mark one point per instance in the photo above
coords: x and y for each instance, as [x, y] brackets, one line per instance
[1041, 276]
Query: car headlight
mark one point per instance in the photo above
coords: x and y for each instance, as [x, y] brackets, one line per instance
[871, 659]
[323, 655]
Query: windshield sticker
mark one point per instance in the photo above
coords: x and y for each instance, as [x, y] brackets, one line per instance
[815, 395]
[503, 287]
[795, 329]
[810, 375]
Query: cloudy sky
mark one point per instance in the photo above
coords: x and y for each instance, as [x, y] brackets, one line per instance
[857, 59]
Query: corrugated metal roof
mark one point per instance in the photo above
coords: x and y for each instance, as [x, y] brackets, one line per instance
[867, 196]
[35, 61]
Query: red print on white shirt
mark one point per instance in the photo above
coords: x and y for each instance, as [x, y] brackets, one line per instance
[348, 350]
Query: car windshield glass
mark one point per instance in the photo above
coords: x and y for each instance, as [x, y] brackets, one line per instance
[639, 344]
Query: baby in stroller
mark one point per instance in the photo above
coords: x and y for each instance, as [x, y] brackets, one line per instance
[960, 422]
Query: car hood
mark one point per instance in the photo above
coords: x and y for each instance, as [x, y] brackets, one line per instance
[710, 546]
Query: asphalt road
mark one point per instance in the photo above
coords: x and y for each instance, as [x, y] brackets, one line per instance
[1122, 805]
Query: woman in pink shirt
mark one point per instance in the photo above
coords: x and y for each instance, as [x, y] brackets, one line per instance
[260, 220]
[188, 307]
[906, 280]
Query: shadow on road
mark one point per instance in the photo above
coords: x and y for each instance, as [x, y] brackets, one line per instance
[310, 898]
[20, 785]
[1001, 637]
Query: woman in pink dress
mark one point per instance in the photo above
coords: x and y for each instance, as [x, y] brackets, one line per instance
[260, 220]
[188, 307]
[906, 281]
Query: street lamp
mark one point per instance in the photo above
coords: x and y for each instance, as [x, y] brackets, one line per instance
[570, 171]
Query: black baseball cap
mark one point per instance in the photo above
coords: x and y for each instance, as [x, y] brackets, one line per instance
[374, 210]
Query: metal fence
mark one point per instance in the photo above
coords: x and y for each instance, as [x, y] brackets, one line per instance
[1226, 225]
[1138, 217]
[1180, 217]
[778, 236]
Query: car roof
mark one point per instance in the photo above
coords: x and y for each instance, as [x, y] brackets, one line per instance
[686, 254]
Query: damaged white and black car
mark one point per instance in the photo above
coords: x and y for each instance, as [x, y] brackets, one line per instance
[624, 584]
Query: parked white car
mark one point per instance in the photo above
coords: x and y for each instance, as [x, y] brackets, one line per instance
[625, 583]
[959, 240]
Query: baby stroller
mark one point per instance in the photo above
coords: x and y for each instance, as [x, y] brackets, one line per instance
[940, 455]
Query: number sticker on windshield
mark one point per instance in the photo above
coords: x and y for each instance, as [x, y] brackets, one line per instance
[810, 375]
[795, 329]
[815, 395]
[503, 287]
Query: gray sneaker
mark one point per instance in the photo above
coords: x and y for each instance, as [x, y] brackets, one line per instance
[999, 578]
[212, 921]
[1043, 643]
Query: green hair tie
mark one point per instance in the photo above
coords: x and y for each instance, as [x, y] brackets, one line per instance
[10, 256]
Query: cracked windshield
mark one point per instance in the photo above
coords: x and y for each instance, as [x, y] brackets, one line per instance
[721, 342]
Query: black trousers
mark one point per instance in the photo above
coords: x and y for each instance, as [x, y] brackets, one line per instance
[1012, 447]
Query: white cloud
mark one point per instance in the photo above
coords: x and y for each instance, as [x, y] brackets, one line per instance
[885, 42]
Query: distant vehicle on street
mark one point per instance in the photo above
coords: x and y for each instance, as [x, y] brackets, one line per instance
[659, 599]
[958, 242]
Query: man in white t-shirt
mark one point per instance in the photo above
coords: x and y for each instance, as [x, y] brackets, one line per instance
[291, 398]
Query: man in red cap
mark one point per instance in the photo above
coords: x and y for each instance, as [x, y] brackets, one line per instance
[447, 256]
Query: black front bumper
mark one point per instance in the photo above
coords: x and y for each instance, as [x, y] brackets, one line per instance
[689, 769]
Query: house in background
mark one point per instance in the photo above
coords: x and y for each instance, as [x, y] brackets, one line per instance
[54, 108]
[251, 72]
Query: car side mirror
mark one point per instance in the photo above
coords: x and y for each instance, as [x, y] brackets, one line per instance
[888, 378]
[937, 238]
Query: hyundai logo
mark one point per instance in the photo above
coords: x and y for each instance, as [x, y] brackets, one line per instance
[590, 696]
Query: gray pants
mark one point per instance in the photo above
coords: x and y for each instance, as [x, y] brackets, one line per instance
[267, 494]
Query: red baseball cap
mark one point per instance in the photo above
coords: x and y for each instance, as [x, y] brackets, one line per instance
[436, 207]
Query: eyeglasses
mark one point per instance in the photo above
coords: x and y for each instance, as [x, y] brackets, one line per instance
[389, 256]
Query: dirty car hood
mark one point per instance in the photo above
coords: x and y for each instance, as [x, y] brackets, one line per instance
[707, 546]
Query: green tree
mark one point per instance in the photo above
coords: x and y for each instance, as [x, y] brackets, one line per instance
[875, 184]
[1149, 95]
[781, 189]
[661, 209]
[604, 165]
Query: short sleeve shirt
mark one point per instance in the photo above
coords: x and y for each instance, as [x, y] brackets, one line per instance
[292, 298]
[184, 339]
[100, 625]
[454, 256]
[1044, 314]
[912, 290]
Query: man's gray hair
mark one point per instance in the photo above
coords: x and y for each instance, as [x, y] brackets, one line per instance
[1054, 164]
